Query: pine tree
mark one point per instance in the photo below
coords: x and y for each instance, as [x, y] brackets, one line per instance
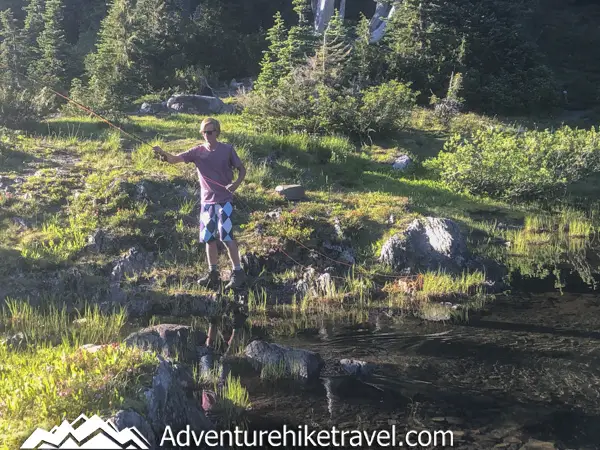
[301, 38]
[50, 67]
[12, 49]
[34, 25]
[273, 67]
[110, 67]
[15, 94]
[334, 53]
[159, 31]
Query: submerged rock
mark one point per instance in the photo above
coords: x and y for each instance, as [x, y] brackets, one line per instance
[356, 367]
[169, 340]
[428, 244]
[299, 363]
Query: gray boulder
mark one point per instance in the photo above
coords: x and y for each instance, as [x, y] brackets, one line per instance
[198, 104]
[291, 191]
[299, 363]
[402, 163]
[128, 419]
[171, 403]
[169, 340]
[153, 108]
[429, 243]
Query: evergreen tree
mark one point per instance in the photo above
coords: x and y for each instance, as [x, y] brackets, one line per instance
[12, 49]
[334, 53]
[273, 67]
[50, 67]
[301, 38]
[422, 38]
[15, 95]
[159, 32]
[34, 25]
[110, 67]
[365, 62]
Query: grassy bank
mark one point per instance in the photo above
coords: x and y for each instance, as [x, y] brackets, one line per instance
[71, 176]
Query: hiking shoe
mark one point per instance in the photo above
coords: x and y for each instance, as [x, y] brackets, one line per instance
[211, 279]
[238, 278]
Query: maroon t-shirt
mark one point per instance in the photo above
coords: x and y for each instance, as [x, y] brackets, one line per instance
[215, 170]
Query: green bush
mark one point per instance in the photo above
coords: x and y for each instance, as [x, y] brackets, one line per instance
[300, 104]
[513, 165]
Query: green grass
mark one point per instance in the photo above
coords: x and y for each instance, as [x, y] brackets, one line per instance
[55, 324]
[440, 283]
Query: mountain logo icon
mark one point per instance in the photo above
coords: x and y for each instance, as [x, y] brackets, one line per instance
[87, 433]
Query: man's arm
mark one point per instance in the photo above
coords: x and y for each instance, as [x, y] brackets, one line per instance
[171, 159]
[241, 175]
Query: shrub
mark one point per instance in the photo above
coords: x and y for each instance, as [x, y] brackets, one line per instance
[303, 104]
[513, 165]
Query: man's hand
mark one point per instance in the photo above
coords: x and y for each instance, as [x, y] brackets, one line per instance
[232, 187]
[160, 152]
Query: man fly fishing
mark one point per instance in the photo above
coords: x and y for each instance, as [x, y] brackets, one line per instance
[215, 162]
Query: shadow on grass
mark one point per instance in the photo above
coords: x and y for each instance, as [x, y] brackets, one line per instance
[15, 160]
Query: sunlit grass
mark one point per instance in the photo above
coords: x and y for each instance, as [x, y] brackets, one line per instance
[53, 323]
[42, 386]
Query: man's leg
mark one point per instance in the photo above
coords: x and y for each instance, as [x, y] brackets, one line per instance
[225, 213]
[234, 253]
[208, 228]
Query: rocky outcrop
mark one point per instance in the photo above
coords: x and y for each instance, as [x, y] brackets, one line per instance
[428, 244]
[299, 363]
[134, 262]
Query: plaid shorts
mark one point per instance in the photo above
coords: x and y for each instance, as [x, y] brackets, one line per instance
[215, 222]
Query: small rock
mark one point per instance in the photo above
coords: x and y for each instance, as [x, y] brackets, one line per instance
[357, 367]
[17, 341]
[455, 420]
[534, 444]
[276, 214]
[512, 440]
[402, 163]
[96, 241]
[21, 223]
[291, 191]
[92, 348]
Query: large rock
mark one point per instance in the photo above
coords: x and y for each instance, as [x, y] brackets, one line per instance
[198, 104]
[170, 403]
[291, 191]
[300, 363]
[169, 340]
[428, 243]
[129, 418]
